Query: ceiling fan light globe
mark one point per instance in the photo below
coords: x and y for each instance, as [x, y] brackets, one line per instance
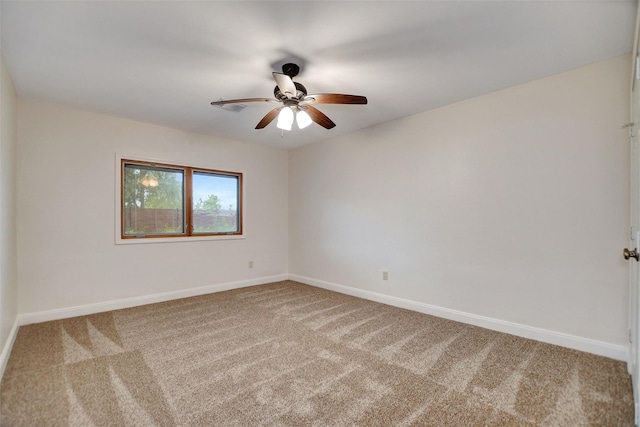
[303, 119]
[285, 119]
[283, 126]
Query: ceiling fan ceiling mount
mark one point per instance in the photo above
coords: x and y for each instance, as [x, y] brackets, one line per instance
[293, 95]
[290, 69]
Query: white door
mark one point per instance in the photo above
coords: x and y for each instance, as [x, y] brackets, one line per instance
[634, 230]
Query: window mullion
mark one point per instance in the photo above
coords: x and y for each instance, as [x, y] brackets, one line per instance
[189, 201]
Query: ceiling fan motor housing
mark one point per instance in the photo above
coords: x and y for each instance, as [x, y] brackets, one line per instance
[301, 92]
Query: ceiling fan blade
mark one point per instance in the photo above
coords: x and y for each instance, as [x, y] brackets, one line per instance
[319, 117]
[285, 84]
[268, 118]
[241, 101]
[334, 98]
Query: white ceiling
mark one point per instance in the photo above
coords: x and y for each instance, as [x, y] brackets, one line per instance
[164, 62]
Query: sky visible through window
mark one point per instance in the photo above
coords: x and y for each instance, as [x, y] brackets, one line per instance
[226, 188]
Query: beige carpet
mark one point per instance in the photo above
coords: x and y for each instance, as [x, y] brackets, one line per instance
[290, 354]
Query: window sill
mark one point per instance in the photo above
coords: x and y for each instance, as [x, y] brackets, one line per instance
[143, 240]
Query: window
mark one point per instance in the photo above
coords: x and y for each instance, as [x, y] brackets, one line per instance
[160, 200]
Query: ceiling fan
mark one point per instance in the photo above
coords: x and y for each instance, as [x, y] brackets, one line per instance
[295, 101]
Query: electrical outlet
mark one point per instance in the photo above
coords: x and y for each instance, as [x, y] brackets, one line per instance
[250, 264]
[385, 275]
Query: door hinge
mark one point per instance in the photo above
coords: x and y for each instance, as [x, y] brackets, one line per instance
[629, 334]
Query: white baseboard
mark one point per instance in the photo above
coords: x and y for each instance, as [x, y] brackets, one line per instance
[613, 351]
[617, 352]
[83, 310]
[8, 345]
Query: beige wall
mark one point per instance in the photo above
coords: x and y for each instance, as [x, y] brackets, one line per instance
[67, 254]
[511, 206]
[8, 259]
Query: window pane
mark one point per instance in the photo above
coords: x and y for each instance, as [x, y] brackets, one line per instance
[153, 200]
[215, 203]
